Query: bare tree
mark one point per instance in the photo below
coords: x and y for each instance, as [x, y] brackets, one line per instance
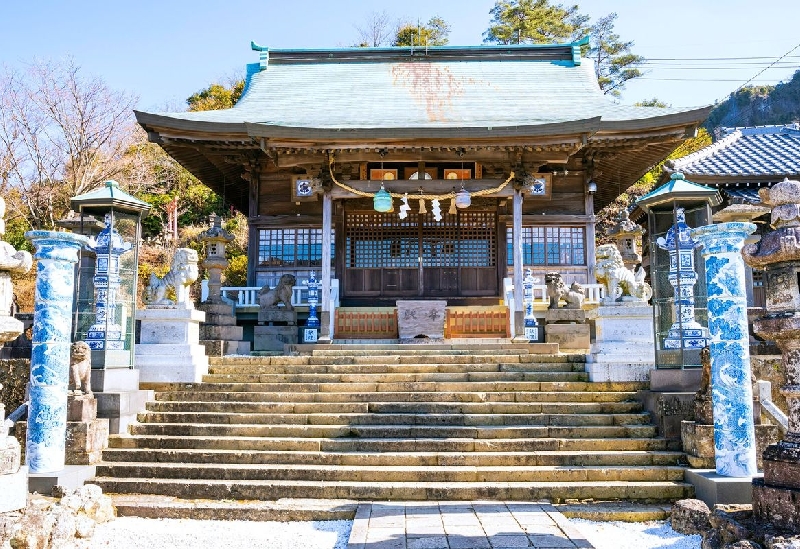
[377, 30]
[61, 134]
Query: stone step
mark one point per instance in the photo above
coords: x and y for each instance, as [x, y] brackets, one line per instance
[424, 444]
[467, 420]
[395, 368]
[427, 459]
[430, 357]
[201, 392]
[461, 491]
[389, 473]
[222, 407]
[531, 387]
[453, 377]
[393, 431]
[283, 510]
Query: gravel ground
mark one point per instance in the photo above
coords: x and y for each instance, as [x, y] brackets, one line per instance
[138, 533]
[634, 535]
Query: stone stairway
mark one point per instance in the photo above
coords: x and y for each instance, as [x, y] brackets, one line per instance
[396, 422]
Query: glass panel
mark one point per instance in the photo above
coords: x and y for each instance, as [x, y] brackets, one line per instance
[549, 246]
[290, 247]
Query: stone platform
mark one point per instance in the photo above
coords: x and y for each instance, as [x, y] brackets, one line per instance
[169, 348]
[624, 348]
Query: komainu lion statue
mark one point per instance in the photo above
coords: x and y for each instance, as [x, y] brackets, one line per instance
[557, 290]
[182, 274]
[282, 293]
[620, 282]
[80, 369]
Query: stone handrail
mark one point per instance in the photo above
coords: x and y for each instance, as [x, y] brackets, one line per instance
[247, 296]
[765, 397]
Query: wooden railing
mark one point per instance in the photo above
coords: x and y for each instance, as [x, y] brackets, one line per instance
[477, 321]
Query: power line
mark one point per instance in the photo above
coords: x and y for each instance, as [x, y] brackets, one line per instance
[767, 68]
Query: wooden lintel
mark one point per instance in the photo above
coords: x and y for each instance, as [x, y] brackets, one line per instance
[280, 221]
[529, 219]
[429, 186]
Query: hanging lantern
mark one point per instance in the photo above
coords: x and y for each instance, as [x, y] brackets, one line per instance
[463, 198]
[382, 202]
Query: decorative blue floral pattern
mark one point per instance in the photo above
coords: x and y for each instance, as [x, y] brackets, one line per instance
[56, 253]
[731, 391]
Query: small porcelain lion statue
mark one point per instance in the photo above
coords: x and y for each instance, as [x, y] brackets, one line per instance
[620, 282]
[557, 290]
[182, 274]
[80, 369]
[282, 293]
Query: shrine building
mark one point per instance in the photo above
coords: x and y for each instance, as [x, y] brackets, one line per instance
[434, 173]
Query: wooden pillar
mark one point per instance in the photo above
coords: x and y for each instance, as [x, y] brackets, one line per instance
[325, 308]
[519, 310]
[252, 213]
[590, 237]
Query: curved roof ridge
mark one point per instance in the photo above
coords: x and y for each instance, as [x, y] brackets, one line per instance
[702, 154]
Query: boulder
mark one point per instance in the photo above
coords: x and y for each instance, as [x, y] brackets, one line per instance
[690, 516]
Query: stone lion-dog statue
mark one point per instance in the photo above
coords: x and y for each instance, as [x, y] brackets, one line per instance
[557, 290]
[282, 293]
[621, 283]
[80, 369]
[182, 274]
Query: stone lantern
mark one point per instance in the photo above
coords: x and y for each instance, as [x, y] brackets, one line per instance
[775, 496]
[219, 334]
[626, 235]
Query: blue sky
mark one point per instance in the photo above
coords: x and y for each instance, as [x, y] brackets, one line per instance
[164, 50]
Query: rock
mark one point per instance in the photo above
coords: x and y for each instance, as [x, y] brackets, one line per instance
[690, 516]
[743, 544]
[84, 527]
[64, 527]
[711, 540]
[781, 542]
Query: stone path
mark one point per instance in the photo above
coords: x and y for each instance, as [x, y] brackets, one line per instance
[462, 525]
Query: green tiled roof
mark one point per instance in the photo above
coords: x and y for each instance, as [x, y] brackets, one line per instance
[676, 188]
[437, 88]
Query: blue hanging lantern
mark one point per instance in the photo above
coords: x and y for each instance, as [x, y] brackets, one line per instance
[382, 202]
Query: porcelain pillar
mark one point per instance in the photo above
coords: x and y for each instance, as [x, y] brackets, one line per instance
[731, 387]
[56, 253]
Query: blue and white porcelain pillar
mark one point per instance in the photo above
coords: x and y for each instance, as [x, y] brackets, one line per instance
[56, 254]
[731, 388]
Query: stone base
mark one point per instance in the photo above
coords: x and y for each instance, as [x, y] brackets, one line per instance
[565, 315]
[619, 371]
[714, 489]
[277, 315]
[568, 336]
[776, 504]
[698, 443]
[668, 411]
[14, 490]
[86, 441]
[218, 347]
[273, 338]
[121, 408]
[420, 318]
[70, 477]
[112, 380]
[624, 347]
[675, 380]
[81, 408]
[171, 363]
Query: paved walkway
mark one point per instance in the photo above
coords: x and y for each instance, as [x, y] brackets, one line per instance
[462, 525]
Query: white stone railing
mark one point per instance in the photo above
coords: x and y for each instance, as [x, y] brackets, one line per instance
[594, 293]
[765, 396]
[247, 296]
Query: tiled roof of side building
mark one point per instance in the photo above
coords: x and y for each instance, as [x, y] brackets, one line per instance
[437, 88]
[759, 151]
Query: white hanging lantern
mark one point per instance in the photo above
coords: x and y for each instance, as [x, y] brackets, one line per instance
[463, 198]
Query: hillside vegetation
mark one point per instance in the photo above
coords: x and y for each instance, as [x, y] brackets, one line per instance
[759, 106]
